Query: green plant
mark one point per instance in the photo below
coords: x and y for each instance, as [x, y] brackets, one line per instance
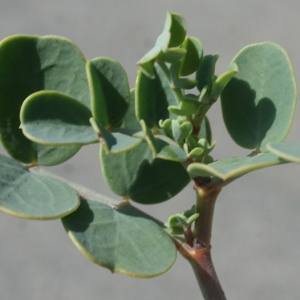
[154, 139]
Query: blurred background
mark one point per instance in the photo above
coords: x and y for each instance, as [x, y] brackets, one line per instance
[256, 231]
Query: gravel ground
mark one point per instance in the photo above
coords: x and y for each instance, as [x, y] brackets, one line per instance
[256, 233]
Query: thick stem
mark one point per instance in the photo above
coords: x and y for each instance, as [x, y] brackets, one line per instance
[198, 254]
[206, 275]
[206, 199]
[200, 259]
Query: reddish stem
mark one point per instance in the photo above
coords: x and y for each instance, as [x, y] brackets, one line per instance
[206, 275]
[198, 252]
[200, 259]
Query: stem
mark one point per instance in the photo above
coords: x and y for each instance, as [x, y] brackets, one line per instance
[206, 275]
[200, 259]
[188, 236]
[206, 199]
[200, 115]
[198, 254]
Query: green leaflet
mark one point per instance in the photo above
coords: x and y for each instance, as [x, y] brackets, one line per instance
[192, 60]
[164, 50]
[188, 64]
[286, 151]
[206, 72]
[109, 91]
[30, 64]
[153, 96]
[205, 131]
[188, 106]
[171, 55]
[122, 239]
[163, 147]
[258, 104]
[84, 192]
[130, 174]
[176, 25]
[53, 118]
[114, 143]
[146, 63]
[181, 83]
[170, 179]
[233, 167]
[30, 196]
[181, 130]
[220, 83]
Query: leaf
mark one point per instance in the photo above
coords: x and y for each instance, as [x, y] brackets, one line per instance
[109, 91]
[286, 151]
[170, 179]
[188, 106]
[162, 42]
[84, 192]
[153, 96]
[177, 27]
[258, 104]
[182, 83]
[174, 32]
[164, 49]
[146, 63]
[30, 196]
[192, 60]
[206, 72]
[166, 125]
[122, 239]
[171, 55]
[181, 131]
[205, 131]
[130, 121]
[130, 174]
[170, 151]
[30, 64]
[163, 147]
[196, 152]
[53, 118]
[221, 82]
[114, 143]
[50, 156]
[233, 167]
[120, 170]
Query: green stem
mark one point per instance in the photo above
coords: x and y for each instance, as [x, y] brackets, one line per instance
[206, 199]
[200, 115]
